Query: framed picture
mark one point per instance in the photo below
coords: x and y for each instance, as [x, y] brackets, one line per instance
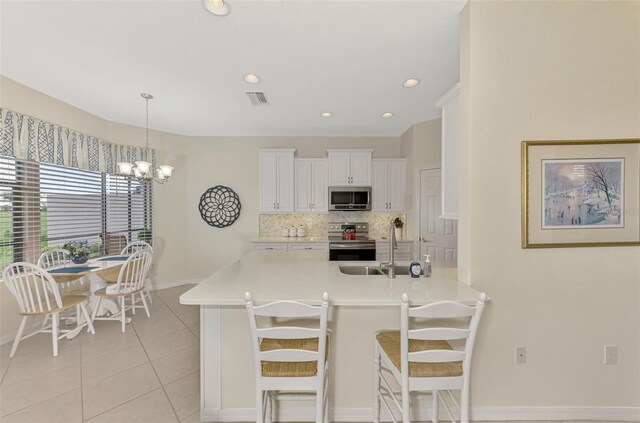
[580, 193]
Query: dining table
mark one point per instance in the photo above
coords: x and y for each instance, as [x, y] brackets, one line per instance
[89, 277]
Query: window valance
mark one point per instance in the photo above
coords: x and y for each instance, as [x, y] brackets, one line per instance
[29, 138]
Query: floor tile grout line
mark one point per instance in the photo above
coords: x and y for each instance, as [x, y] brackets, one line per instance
[44, 400]
[176, 314]
[120, 405]
[156, 373]
[172, 352]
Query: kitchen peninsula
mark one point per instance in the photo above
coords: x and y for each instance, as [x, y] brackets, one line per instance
[360, 305]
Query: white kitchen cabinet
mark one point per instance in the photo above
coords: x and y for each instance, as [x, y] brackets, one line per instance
[450, 105]
[350, 167]
[269, 247]
[298, 246]
[276, 180]
[404, 252]
[388, 188]
[311, 189]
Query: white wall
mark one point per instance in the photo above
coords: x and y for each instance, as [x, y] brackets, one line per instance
[535, 71]
[420, 144]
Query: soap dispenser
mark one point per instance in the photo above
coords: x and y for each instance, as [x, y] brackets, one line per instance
[415, 269]
[426, 269]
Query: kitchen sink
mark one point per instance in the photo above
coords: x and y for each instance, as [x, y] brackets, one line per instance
[361, 270]
[372, 270]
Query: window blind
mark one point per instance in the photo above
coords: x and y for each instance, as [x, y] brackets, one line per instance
[44, 206]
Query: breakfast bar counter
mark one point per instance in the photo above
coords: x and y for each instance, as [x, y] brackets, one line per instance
[360, 305]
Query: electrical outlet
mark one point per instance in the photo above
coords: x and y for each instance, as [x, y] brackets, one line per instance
[610, 354]
[521, 355]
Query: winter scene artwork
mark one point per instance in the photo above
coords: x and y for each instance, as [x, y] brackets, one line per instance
[582, 194]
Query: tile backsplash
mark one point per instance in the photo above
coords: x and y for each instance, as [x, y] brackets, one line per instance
[316, 224]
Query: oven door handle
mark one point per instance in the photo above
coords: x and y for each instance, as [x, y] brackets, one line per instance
[345, 246]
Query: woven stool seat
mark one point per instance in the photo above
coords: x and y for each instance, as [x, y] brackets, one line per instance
[295, 368]
[390, 343]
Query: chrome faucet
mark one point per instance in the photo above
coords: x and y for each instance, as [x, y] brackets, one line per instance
[393, 244]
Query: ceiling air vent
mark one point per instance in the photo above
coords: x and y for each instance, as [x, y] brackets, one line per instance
[257, 98]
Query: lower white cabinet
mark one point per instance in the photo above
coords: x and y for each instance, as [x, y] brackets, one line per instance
[308, 247]
[259, 246]
[289, 246]
[404, 252]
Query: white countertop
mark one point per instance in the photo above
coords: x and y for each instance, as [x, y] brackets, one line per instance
[304, 276]
[272, 239]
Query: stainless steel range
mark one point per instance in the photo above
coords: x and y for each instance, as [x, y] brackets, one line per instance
[349, 241]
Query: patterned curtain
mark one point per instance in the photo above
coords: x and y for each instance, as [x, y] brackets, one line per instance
[29, 138]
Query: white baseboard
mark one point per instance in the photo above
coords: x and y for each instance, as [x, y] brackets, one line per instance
[538, 413]
[562, 413]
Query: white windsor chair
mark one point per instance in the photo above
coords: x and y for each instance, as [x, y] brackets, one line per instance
[37, 294]
[134, 247]
[131, 281]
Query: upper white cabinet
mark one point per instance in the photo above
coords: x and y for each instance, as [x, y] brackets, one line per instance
[276, 180]
[350, 167]
[450, 105]
[388, 188]
[311, 193]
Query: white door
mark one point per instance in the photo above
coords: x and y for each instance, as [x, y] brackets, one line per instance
[339, 172]
[303, 178]
[397, 185]
[285, 182]
[379, 186]
[438, 237]
[268, 182]
[319, 188]
[361, 168]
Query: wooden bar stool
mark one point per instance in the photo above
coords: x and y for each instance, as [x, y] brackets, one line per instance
[423, 360]
[290, 361]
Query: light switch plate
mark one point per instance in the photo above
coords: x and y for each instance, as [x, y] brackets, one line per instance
[521, 355]
[610, 354]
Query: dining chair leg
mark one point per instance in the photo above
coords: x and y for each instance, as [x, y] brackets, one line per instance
[326, 406]
[320, 405]
[123, 314]
[259, 406]
[86, 316]
[376, 384]
[269, 408]
[18, 336]
[144, 303]
[148, 293]
[434, 407]
[45, 321]
[406, 404]
[133, 304]
[54, 333]
[94, 313]
[464, 404]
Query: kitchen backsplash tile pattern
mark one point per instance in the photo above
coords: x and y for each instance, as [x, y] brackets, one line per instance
[316, 224]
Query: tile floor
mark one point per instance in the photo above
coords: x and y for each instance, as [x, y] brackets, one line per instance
[137, 376]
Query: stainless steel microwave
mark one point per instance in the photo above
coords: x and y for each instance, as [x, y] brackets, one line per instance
[349, 198]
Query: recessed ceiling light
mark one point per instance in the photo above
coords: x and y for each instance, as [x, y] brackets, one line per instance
[326, 114]
[217, 7]
[251, 78]
[387, 114]
[411, 82]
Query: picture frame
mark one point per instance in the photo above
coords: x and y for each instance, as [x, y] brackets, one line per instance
[583, 193]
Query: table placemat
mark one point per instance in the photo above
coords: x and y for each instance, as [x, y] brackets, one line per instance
[76, 269]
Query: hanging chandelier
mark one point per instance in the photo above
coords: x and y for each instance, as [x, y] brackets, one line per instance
[141, 169]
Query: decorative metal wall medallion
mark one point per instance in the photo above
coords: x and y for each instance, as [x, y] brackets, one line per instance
[219, 206]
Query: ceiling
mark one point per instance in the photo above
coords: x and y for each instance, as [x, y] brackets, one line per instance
[346, 57]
